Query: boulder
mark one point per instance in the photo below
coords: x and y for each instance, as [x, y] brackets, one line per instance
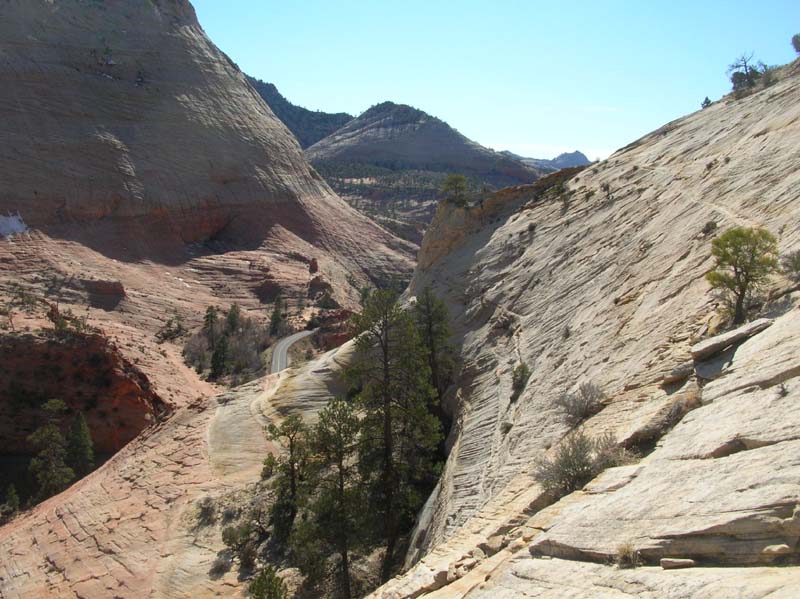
[674, 563]
[709, 347]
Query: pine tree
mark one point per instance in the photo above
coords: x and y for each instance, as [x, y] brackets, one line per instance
[219, 358]
[80, 450]
[48, 467]
[292, 468]
[210, 326]
[399, 434]
[335, 511]
[12, 499]
[233, 319]
[276, 319]
[433, 327]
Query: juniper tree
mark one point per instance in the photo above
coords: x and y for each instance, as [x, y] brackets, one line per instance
[454, 189]
[399, 434]
[80, 451]
[744, 259]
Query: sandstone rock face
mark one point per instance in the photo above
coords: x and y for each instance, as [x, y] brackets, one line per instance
[125, 128]
[84, 371]
[606, 284]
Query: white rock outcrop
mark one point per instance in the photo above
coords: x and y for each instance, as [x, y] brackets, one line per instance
[605, 283]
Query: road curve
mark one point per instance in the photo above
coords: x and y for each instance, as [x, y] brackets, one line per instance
[280, 358]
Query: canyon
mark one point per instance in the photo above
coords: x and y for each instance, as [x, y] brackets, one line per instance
[150, 180]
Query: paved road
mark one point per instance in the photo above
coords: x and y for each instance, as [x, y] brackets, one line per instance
[280, 358]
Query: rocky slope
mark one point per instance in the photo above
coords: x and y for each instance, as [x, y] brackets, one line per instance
[144, 179]
[391, 160]
[602, 280]
[308, 126]
[127, 130]
[565, 160]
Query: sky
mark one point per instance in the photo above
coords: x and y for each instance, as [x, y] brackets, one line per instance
[537, 78]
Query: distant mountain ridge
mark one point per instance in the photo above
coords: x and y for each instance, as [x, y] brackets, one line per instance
[564, 160]
[308, 126]
[398, 136]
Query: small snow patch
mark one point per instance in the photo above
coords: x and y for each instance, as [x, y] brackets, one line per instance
[12, 224]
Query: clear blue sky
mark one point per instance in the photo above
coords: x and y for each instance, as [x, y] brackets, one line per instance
[533, 77]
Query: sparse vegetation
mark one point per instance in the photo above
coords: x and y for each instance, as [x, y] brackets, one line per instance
[790, 264]
[576, 461]
[267, 585]
[627, 556]
[172, 329]
[228, 344]
[796, 42]
[579, 405]
[454, 189]
[705, 103]
[709, 227]
[745, 74]
[744, 260]
[519, 379]
[242, 543]
[11, 505]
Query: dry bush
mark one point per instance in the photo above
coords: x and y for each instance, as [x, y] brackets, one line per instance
[577, 460]
[583, 403]
[627, 556]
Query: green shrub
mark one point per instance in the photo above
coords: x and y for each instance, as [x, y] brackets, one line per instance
[519, 379]
[268, 585]
[268, 469]
[744, 260]
[172, 329]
